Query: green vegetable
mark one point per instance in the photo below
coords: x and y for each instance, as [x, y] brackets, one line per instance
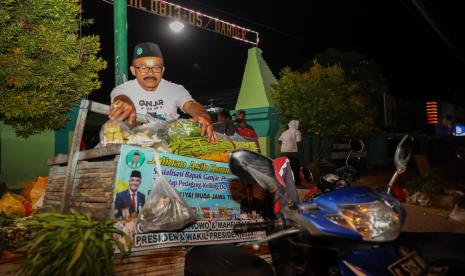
[70, 244]
[195, 146]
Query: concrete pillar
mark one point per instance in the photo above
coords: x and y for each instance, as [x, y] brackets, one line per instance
[255, 99]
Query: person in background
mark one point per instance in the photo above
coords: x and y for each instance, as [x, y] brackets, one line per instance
[130, 200]
[245, 130]
[242, 128]
[150, 94]
[224, 124]
[290, 140]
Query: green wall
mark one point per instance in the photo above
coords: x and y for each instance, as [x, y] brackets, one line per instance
[22, 160]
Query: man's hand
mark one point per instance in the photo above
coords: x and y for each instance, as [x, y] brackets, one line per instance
[207, 127]
[121, 109]
[199, 114]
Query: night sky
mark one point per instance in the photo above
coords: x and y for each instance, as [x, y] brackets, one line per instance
[417, 63]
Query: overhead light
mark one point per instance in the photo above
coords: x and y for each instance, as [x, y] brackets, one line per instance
[176, 26]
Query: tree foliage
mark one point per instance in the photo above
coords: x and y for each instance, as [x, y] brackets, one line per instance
[46, 68]
[360, 69]
[324, 101]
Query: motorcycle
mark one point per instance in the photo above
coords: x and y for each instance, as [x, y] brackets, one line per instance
[351, 230]
[348, 172]
[343, 177]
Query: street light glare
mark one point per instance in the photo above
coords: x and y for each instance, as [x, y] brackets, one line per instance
[176, 26]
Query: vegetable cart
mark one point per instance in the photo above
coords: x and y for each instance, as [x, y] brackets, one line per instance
[88, 181]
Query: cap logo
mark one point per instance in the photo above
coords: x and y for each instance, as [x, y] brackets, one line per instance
[139, 51]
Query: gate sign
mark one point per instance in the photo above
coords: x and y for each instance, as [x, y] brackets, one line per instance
[204, 185]
[197, 19]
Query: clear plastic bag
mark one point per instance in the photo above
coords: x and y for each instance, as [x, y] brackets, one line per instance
[114, 132]
[184, 127]
[234, 137]
[150, 135]
[165, 209]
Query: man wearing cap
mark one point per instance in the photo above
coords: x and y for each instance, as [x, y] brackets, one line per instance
[130, 201]
[242, 127]
[150, 94]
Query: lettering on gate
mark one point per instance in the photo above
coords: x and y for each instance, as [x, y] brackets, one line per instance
[194, 18]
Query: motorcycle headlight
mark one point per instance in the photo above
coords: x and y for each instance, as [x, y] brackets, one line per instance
[375, 221]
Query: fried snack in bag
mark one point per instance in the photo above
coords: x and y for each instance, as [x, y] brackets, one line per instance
[12, 204]
[165, 209]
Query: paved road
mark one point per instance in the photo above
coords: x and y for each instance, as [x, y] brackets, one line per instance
[419, 219]
[429, 219]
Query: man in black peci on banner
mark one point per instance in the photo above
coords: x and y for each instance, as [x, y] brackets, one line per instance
[130, 201]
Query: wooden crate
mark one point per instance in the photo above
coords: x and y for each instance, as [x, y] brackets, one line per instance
[92, 185]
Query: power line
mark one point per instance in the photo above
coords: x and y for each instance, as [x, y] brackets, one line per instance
[421, 9]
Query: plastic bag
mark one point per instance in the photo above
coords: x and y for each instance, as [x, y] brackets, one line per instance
[35, 192]
[151, 134]
[165, 209]
[12, 204]
[38, 193]
[114, 132]
[234, 137]
[26, 191]
[184, 127]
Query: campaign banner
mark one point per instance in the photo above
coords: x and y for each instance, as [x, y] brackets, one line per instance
[203, 184]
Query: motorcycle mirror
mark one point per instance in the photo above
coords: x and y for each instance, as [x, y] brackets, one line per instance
[253, 168]
[356, 145]
[403, 153]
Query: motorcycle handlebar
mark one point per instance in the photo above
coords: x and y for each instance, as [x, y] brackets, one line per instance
[257, 226]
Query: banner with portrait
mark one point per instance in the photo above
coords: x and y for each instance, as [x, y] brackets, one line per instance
[204, 185]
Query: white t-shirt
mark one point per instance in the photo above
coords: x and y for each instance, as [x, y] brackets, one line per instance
[163, 102]
[290, 137]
